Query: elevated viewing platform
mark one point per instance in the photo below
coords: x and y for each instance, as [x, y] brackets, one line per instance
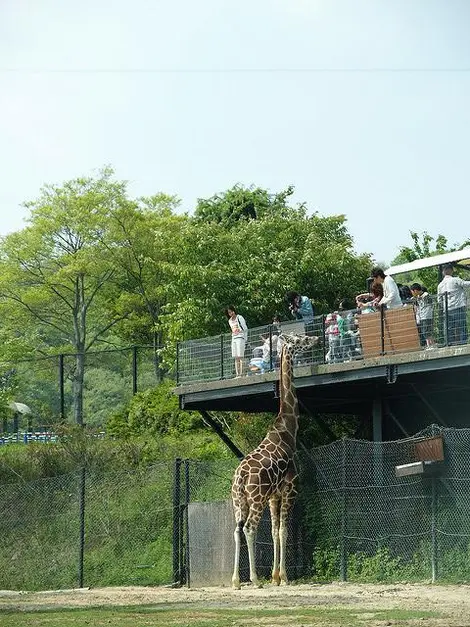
[371, 365]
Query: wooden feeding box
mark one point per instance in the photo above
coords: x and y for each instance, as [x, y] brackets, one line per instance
[429, 458]
[399, 329]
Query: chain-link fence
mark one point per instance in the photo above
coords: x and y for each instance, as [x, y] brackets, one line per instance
[88, 529]
[172, 523]
[44, 386]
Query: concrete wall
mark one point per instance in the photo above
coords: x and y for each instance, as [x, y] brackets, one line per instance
[212, 545]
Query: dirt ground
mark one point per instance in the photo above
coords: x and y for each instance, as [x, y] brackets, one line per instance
[453, 601]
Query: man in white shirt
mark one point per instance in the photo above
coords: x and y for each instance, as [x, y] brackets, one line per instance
[452, 298]
[391, 298]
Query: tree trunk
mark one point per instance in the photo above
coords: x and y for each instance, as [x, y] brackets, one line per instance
[77, 387]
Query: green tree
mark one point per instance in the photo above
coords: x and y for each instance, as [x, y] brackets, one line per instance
[145, 239]
[424, 245]
[252, 258]
[242, 203]
[59, 285]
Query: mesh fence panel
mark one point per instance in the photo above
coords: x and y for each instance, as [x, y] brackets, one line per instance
[110, 379]
[354, 518]
[38, 387]
[128, 527]
[39, 531]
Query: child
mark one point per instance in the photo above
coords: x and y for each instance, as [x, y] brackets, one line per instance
[424, 307]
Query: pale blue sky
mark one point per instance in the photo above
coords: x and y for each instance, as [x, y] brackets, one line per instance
[390, 149]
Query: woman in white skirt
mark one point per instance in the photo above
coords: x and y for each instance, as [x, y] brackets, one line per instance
[239, 337]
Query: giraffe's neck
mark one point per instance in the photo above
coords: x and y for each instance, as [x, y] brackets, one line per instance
[288, 417]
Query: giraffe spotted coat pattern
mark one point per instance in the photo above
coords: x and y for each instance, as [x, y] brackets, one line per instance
[268, 474]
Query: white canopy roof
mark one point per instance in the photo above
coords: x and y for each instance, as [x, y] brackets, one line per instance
[21, 408]
[461, 256]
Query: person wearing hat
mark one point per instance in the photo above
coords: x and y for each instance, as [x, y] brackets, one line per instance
[451, 294]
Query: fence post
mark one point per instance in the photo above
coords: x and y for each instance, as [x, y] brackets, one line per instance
[323, 332]
[382, 330]
[221, 355]
[270, 347]
[81, 502]
[177, 363]
[61, 387]
[187, 496]
[176, 521]
[433, 530]
[134, 370]
[344, 548]
[446, 318]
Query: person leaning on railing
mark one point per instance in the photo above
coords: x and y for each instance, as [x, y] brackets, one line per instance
[451, 294]
[391, 298]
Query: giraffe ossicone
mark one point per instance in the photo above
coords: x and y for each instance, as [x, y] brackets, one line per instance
[268, 474]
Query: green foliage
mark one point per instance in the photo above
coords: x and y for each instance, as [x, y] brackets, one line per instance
[378, 567]
[424, 245]
[244, 203]
[154, 412]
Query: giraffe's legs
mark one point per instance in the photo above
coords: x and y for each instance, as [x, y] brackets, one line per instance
[283, 544]
[236, 567]
[250, 535]
[274, 509]
[286, 504]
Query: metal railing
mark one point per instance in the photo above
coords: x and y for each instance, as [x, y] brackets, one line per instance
[342, 337]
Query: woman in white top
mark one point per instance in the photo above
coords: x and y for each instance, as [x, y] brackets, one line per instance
[391, 298]
[239, 337]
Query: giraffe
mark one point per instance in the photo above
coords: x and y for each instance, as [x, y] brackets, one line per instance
[268, 473]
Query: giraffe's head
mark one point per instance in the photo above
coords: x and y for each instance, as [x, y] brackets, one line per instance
[295, 344]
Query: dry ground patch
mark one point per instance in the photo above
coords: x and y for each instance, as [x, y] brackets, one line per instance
[316, 605]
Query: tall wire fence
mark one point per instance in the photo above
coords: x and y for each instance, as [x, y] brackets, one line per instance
[355, 518]
[343, 336]
[44, 386]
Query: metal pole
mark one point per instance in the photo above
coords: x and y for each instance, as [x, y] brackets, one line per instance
[344, 551]
[433, 530]
[382, 330]
[221, 355]
[134, 370]
[270, 347]
[446, 318]
[176, 521]
[221, 433]
[81, 554]
[177, 363]
[323, 337]
[187, 497]
[61, 387]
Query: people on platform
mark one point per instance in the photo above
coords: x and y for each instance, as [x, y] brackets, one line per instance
[301, 307]
[239, 330]
[424, 313]
[453, 303]
[333, 337]
[405, 293]
[262, 361]
[391, 298]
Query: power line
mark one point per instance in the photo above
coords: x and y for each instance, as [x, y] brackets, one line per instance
[377, 70]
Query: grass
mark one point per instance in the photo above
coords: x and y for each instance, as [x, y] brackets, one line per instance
[143, 616]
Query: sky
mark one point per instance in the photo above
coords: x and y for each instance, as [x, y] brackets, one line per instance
[363, 106]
